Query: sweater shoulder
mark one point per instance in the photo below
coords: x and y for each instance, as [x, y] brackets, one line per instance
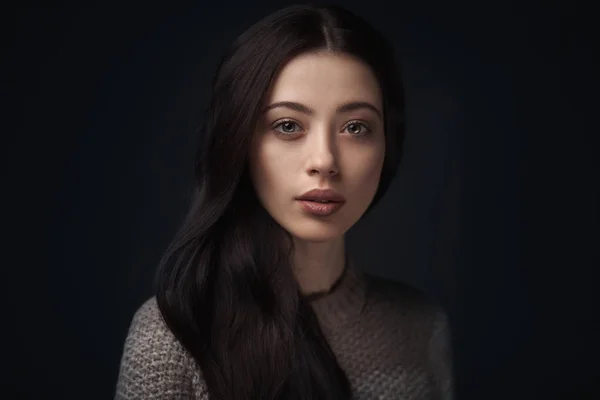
[154, 363]
[418, 321]
[400, 300]
[148, 331]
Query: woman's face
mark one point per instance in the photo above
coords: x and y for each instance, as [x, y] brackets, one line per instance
[316, 143]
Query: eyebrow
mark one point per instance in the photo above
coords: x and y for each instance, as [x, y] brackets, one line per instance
[352, 106]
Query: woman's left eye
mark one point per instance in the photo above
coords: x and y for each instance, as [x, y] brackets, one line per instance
[357, 128]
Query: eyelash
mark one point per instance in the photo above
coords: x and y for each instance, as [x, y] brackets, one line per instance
[283, 121]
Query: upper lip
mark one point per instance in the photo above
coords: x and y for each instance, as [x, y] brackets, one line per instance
[322, 194]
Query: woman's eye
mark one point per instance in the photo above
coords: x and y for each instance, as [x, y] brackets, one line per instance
[356, 128]
[286, 127]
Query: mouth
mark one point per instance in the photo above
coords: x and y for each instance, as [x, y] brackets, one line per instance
[322, 196]
[321, 202]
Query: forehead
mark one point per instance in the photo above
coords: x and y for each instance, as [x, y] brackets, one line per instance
[324, 80]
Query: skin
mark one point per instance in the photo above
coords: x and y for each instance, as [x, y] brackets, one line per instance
[293, 152]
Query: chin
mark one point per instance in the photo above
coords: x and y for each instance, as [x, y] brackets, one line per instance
[316, 231]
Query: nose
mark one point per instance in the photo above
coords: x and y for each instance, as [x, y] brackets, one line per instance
[322, 155]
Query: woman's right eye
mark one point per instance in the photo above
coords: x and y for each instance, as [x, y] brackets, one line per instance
[286, 127]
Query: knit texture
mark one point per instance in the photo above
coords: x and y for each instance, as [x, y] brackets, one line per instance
[390, 339]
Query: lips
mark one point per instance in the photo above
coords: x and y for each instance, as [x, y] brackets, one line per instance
[322, 196]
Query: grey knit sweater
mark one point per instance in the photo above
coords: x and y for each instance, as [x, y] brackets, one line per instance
[390, 339]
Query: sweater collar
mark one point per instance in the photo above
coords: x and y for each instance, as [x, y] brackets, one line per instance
[344, 301]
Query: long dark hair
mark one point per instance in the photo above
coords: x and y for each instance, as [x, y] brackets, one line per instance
[225, 285]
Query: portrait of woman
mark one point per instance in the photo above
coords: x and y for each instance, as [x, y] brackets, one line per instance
[257, 296]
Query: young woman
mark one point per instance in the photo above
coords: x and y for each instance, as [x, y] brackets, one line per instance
[256, 297]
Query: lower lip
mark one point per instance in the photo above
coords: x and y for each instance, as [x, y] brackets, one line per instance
[320, 209]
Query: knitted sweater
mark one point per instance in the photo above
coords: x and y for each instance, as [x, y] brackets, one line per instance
[392, 342]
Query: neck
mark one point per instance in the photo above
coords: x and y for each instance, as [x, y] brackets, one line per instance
[317, 266]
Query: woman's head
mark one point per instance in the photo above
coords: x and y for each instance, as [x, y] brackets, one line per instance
[322, 128]
[321, 58]
[225, 286]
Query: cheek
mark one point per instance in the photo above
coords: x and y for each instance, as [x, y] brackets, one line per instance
[270, 168]
[364, 170]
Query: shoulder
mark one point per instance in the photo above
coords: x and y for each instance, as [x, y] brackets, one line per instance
[148, 331]
[398, 302]
[425, 323]
[154, 363]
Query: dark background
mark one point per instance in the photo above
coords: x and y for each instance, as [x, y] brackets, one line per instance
[494, 211]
